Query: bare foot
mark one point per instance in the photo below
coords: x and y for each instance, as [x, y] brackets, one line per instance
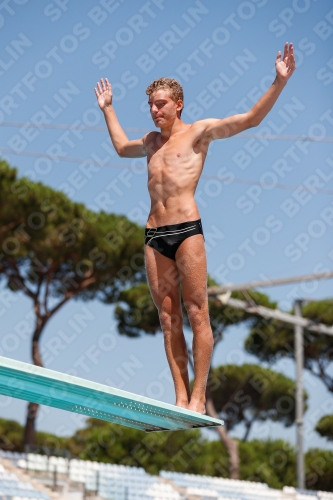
[198, 406]
[182, 404]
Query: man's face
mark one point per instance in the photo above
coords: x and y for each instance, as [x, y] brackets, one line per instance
[163, 108]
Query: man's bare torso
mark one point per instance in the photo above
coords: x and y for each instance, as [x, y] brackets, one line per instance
[174, 169]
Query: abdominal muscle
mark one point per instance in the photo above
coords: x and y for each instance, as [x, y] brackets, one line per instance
[172, 198]
[173, 211]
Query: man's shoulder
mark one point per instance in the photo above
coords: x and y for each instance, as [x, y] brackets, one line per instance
[151, 136]
[202, 124]
[200, 127]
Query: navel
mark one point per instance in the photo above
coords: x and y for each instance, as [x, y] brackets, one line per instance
[178, 154]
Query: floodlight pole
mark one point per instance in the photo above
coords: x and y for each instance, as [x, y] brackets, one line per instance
[299, 357]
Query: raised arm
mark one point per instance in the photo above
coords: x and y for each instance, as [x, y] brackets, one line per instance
[220, 129]
[120, 141]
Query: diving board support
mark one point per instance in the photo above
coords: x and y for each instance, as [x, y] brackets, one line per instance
[51, 388]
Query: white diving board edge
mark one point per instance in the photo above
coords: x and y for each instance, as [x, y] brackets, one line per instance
[51, 388]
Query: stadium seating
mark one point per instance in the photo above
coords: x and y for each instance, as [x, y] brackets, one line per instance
[120, 482]
[12, 488]
[217, 488]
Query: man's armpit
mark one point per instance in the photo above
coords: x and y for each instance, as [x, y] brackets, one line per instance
[149, 142]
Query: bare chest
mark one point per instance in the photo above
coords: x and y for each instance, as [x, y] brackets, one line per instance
[176, 157]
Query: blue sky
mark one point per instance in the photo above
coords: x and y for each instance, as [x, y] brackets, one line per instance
[266, 205]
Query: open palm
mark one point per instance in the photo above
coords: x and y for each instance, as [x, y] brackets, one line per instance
[103, 93]
[285, 66]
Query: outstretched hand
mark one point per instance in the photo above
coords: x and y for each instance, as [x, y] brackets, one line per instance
[103, 93]
[286, 66]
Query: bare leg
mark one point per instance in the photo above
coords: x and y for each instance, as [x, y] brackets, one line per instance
[163, 280]
[192, 267]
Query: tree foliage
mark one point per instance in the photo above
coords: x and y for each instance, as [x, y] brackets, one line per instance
[325, 427]
[136, 312]
[106, 442]
[268, 461]
[60, 248]
[53, 250]
[319, 469]
[11, 437]
[270, 340]
[249, 393]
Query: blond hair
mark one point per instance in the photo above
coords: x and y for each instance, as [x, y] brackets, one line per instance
[174, 87]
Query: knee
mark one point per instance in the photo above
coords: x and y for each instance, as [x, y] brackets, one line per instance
[197, 312]
[164, 315]
[170, 318]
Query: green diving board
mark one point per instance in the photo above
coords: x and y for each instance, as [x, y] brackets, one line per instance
[48, 387]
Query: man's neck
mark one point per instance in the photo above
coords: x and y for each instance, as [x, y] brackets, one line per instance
[174, 128]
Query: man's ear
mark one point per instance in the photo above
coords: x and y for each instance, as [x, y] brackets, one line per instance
[180, 105]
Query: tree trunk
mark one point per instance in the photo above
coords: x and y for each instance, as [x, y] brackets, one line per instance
[247, 432]
[230, 444]
[29, 430]
[32, 409]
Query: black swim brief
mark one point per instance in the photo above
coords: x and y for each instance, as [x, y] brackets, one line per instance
[167, 239]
